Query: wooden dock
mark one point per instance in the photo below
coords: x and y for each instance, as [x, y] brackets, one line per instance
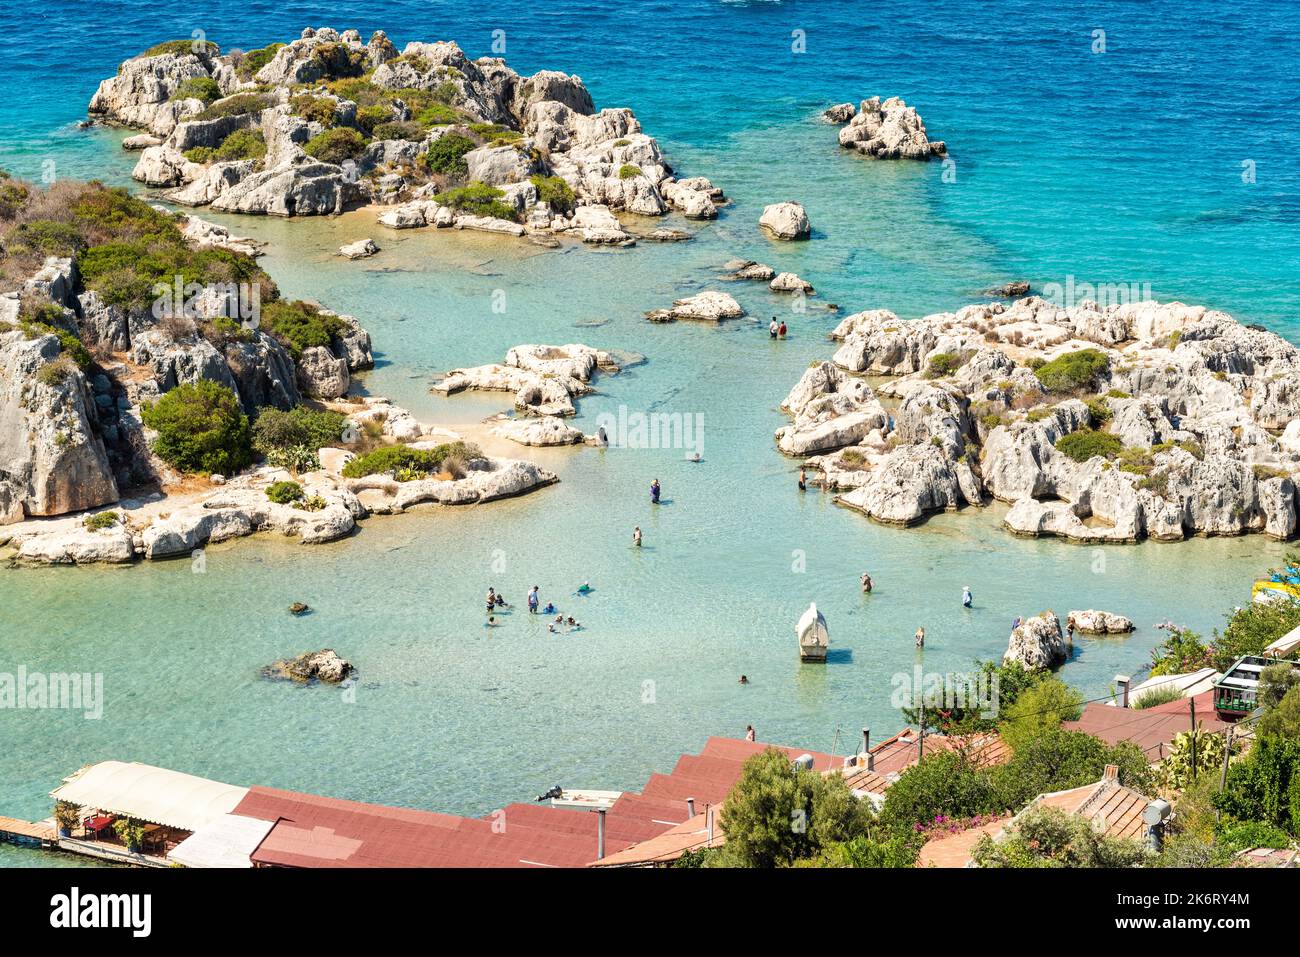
[12, 829]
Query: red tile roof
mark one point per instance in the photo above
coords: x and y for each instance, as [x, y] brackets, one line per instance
[312, 831]
[1151, 729]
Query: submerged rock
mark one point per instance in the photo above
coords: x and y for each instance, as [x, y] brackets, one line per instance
[298, 608]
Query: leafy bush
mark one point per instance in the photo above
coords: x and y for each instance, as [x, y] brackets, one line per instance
[198, 88]
[240, 145]
[1098, 410]
[944, 783]
[236, 105]
[406, 463]
[1161, 694]
[336, 145]
[1238, 836]
[100, 521]
[399, 130]
[942, 364]
[319, 109]
[477, 199]
[201, 428]
[1265, 785]
[55, 373]
[1086, 443]
[254, 60]
[1177, 769]
[284, 493]
[48, 237]
[373, 116]
[437, 114]
[1072, 371]
[1058, 760]
[42, 320]
[1048, 837]
[629, 171]
[300, 325]
[446, 155]
[276, 430]
[554, 192]
[179, 47]
[200, 154]
[339, 60]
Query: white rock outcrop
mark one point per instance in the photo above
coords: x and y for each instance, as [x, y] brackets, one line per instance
[1038, 643]
[887, 130]
[785, 221]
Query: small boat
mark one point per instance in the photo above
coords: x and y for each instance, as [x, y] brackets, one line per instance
[814, 639]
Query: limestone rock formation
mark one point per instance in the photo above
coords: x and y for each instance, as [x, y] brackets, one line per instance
[1038, 643]
[785, 221]
[889, 130]
[1093, 622]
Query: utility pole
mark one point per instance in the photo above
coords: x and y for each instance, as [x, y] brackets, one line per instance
[1223, 772]
[1192, 704]
[920, 735]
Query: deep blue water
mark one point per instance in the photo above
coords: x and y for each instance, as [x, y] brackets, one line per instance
[1118, 167]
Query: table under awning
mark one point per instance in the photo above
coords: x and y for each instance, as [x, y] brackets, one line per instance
[147, 793]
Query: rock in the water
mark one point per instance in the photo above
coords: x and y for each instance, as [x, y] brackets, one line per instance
[707, 306]
[1038, 643]
[361, 249]
[889, 130]
[840, 113]
[789, 282]
[785, 221]
[1092, 622]
[324, 665]
[1010, 290]
[547, 430]
[298, 608]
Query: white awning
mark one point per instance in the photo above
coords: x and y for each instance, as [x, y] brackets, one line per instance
[151, 794]
[1284, 645]
[228, 841]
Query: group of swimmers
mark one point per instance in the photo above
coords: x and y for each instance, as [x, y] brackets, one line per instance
[496, 600]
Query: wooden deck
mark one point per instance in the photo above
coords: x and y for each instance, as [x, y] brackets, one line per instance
[11, 827]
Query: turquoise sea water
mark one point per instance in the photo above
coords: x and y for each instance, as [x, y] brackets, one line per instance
[1123, 166]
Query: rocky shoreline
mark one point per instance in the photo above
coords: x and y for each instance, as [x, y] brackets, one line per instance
[161, 526]
[328, 122]
[1095, 424]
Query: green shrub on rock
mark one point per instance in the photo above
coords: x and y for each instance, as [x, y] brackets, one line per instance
[100, 521]
[446, 155]
[407, 464]
[629, 171]
[300, 325]
[554, 192]
[201, 428]
[254, 60]
[477, 199]
[241, 145]
[198, 88]
[181, 47]
[1086, 443]
[236, 105]
[336, 145]
[1073, 370]
[284, 493]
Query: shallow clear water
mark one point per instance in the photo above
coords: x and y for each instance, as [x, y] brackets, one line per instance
[1123, 167]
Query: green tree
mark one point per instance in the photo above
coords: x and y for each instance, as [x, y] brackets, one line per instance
[1283, 720]
[1040, 709]
[1058, 760]
[1265, 785]
[201, 428]
[776, 814]
[943, 784]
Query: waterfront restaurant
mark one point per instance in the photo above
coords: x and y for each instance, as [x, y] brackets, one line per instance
[138, 814]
